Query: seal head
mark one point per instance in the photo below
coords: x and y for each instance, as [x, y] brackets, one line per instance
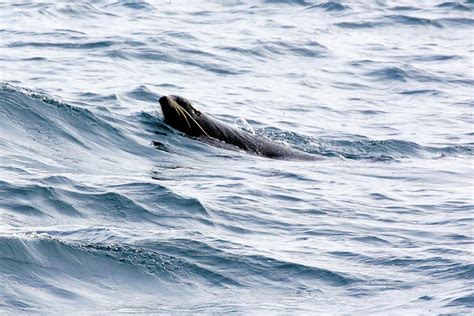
[181, 115]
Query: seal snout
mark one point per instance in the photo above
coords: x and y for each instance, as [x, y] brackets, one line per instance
[167, 104]
[164, 100]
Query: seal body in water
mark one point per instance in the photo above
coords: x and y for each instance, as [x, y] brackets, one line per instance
[181, 115]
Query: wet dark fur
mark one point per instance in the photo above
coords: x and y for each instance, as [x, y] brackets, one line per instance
[181, 115]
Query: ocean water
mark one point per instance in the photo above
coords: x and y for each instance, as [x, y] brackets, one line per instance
[105, 209]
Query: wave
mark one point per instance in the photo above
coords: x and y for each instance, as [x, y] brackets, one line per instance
[202, 61]
[405, 20]
[457, 21]
[329, 6]
[389, 73]
[466, 300]
[57, 199]
[88, 45]
[70, 271]
[454, 6]
[60, 135]
[71, 11]
[356, 148]
[80, 274]
[132, 4]
[358, 25]
[408, 73]
[263, 269]
[411, 20]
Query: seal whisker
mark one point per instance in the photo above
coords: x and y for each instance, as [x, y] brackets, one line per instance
[198, 125]
[183, 112]
[179, 110]
[186, 114]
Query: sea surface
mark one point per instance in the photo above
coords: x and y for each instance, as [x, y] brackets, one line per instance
[104, 209]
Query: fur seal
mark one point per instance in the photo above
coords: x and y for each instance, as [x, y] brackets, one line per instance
[181, 115]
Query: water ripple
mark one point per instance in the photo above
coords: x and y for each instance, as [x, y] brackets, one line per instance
[104, 207]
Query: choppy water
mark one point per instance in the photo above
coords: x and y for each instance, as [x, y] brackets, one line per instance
[104, 208]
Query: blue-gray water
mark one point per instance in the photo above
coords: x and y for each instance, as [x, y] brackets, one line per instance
[103, 208]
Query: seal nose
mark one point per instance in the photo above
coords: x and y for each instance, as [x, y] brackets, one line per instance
[164, 99]
[166, 103]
